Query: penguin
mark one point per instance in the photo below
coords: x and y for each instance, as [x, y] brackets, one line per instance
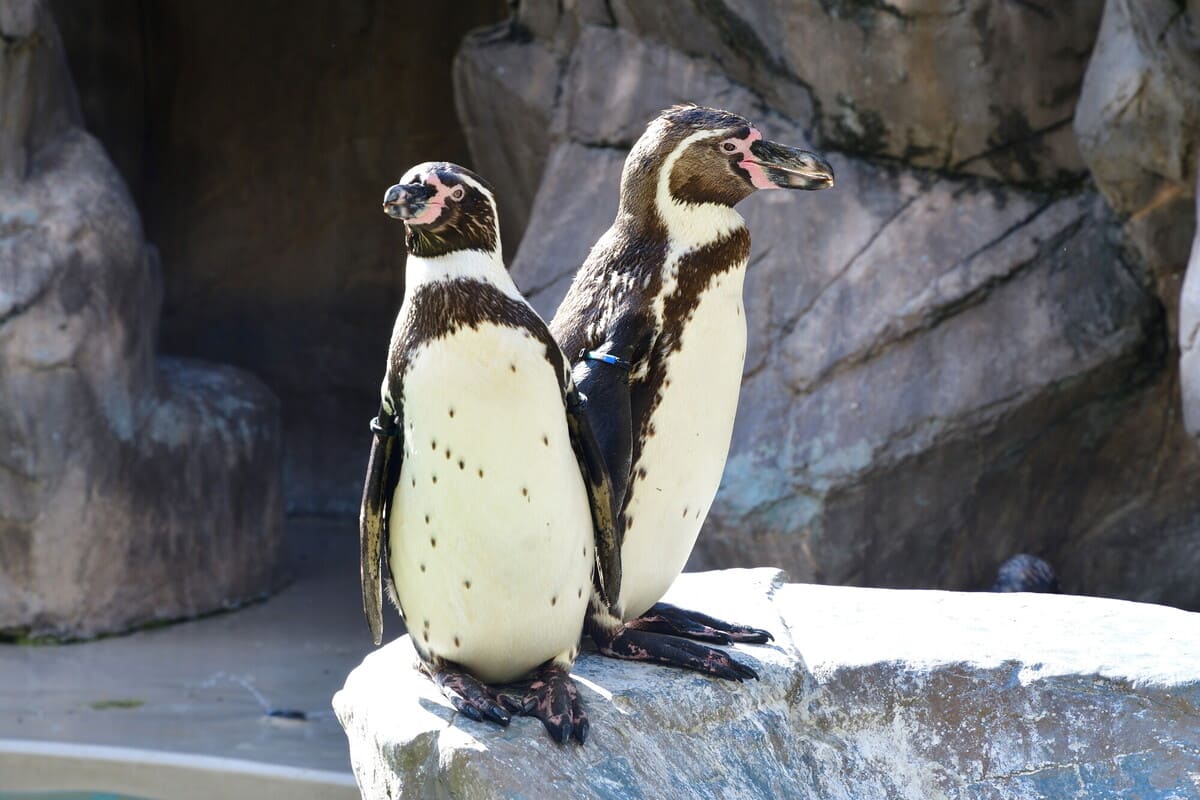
[486, 499]
[1026, 573]
[655, 324]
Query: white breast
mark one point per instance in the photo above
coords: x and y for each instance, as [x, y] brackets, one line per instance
[491, 532]
[679, 469]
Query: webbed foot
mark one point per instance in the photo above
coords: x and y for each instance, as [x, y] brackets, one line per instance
[632, 644]
[669, 619]
[469, 696]
[553, 698]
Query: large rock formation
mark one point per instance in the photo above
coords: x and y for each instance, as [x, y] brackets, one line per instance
[131, 489]
[1138, 124]
[865, 693]
[942, 369]
[1189, 340]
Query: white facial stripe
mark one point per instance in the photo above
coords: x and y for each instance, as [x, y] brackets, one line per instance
[692, 225]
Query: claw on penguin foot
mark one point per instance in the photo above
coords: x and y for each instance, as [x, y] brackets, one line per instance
[634, 644]
[675, 621]
[469, 696]
[553, 697]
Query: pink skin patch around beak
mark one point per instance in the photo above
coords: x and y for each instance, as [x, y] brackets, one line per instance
[434, 207]
[758, 175]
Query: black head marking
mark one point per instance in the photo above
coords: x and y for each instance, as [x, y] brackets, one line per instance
[445, 208]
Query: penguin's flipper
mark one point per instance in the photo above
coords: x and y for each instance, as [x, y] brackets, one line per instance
[600, 494]
[383, 470]
[609, 411]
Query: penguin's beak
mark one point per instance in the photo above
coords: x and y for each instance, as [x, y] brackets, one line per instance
[792, 168]
[405, 201]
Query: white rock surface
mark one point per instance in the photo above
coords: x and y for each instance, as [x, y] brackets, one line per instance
[1189, 340]
[867, 693]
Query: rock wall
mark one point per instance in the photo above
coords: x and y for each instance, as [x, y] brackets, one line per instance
[956, 354]
[258, 139]
[866, 693]
[131, 489]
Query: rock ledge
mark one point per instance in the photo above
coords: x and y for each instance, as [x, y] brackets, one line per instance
[865, 693]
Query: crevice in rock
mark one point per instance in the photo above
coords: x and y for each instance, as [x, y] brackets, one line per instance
[1029, 5]
[1008, 144]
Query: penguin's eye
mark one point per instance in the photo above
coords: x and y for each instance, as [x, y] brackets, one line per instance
[458, 193]
[729, 147]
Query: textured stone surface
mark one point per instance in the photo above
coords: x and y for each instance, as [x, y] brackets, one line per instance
[130, 490]
[259, 139]
[505, 93]
[1138, 124]
[865, 693]
[1189, 340]
[972, 86]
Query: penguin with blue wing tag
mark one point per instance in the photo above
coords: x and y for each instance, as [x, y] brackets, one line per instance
[655, 322]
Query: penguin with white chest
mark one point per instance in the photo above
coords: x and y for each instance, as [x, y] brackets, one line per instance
[655, 321]
[486, 498]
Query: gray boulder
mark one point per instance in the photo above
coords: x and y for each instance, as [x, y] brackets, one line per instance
[865, 693]
[131, 490]
[1189, 340]
[1138, 124]
[505, 93]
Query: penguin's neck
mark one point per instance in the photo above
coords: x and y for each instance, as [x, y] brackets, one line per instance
[476, 265]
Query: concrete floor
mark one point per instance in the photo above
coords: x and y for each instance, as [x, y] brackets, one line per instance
[204, 687]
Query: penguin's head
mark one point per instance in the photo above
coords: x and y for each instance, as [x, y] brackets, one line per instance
[445, 208]
[712, 156]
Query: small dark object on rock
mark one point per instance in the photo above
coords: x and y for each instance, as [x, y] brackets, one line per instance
[288, 713]
[1026, 573]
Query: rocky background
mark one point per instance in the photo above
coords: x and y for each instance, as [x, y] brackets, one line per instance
[981, 342]
[132, 489]
[969, 347]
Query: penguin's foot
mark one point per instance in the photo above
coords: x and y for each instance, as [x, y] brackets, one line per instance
[469, 696]
[631, 644]
[553, 698]
[669, 619]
